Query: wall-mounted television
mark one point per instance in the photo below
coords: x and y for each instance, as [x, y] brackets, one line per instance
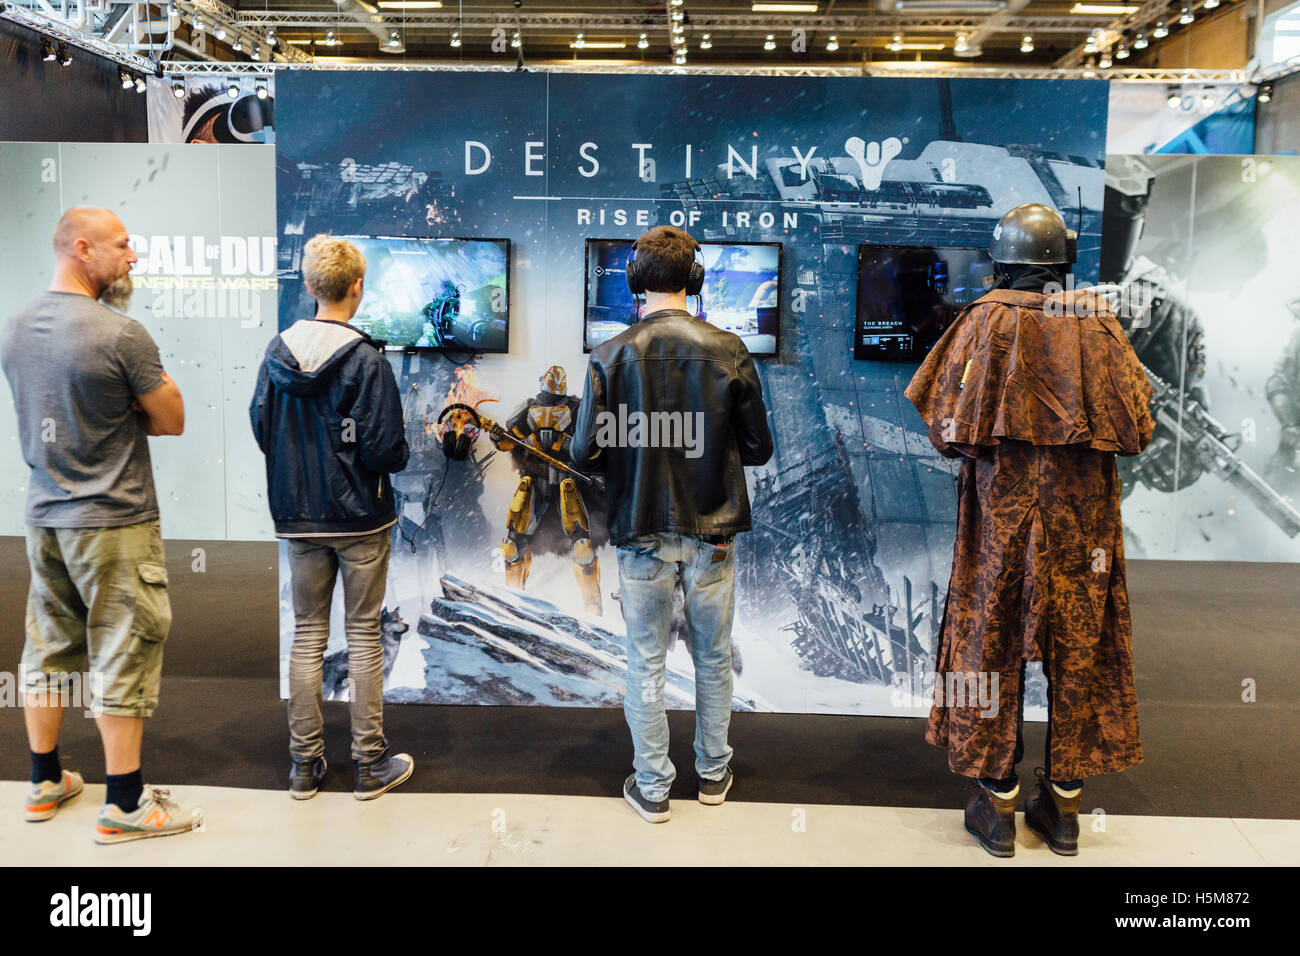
[909, 295]
[742, 292]
[451, 294]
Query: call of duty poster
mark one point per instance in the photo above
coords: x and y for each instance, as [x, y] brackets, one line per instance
[842, 580]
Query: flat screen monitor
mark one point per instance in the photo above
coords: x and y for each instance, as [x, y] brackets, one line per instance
[909, 295]
[451, 294]
[742, 291]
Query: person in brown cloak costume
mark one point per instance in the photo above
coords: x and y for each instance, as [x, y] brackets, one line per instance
[1037, 393]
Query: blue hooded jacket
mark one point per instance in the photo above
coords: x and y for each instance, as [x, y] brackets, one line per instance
[328, 416]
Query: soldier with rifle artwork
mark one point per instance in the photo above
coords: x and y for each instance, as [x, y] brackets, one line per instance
[1169, 340]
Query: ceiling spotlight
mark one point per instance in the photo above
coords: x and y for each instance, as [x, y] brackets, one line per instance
[48, 53]
[680, 59]
[1211, 4]
[125, 79]
[1265, 92]
[65, 55]
[1140, 42]
[643, 42]
[255, 52]
[233, 89]
[1090, 45]
[198, 23]
[580, 42]
[178, 89]
[1161, 31]
[270, 37]
[237, 44]
[219, 32]
[262, 91]
[706, 43]
[1208, 101]
[896, 43]
[331, 39]
[1027, 44]
[832, 44]
[1121, 51]
[679, 39]
[678, 28]
[960, 45]
[678, 16]
[515, 41]
[1089, 67]
[1185, 15]
[455, 37]
[1175, 100]
[676, 3]
[1104, 60]
[140, 84]
[770, 42]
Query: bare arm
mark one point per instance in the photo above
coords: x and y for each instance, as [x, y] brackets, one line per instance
[163, 408]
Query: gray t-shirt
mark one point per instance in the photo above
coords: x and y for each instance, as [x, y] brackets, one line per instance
[74, 367]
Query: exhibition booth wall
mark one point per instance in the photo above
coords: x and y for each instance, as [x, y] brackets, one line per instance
[841, 583]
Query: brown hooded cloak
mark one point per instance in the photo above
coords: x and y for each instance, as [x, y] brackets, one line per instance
[1038, 394]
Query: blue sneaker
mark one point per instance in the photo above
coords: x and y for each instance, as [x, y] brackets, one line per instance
[376, 777]
[45, 798]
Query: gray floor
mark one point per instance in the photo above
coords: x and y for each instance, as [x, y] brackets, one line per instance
[1200, 629]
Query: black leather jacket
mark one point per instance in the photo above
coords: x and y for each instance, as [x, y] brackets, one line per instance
[672, 410]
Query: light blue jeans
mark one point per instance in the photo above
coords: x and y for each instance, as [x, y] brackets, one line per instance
[648, 568]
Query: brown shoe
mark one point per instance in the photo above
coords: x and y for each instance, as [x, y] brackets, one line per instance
[1053, 817]
[991, 819]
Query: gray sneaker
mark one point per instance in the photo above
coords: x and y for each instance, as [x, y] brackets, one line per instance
[714, 792]
[651, 811]
[376, 777]
[156, 816]
[305, 777]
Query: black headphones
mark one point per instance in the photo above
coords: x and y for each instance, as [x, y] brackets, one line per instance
[694, 281]
[456, 442]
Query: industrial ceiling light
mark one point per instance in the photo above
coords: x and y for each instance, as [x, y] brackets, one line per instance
[1175, 99]
[140, 84]
[1185, 15]
[580, 42]
[262, 91]
[678, 28]
[706, 43]
[676, 3]
[455, 37]
[219, 32]
[237, 44]
[832, 44]
[270, 37]
[178, 89]
[1090, 45]
[1208, 102]
[330, 39]
[255, 51]
[48, 53]
[770, 42]
[1211, 4]
[784, 8]
[125, 79]
[1121, 51]
[1027, 44]
[896, 43]
[1265, 92]
[1161, 31]
[1140, 42]
[515, 41]
[679, 40]
[643, 42]
[233, 89]
[679, 15]
[1103, 61]
[960, 45]
[65, 55]
[198, 24]
[1104, 9]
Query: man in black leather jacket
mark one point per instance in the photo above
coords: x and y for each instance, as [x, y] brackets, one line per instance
[672, 411]
[328, 417]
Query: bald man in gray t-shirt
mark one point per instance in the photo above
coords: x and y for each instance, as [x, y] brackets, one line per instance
[88, 389]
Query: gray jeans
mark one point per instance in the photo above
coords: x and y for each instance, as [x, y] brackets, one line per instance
[314, 563]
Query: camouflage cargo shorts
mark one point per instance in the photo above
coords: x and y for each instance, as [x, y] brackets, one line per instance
[98, 596]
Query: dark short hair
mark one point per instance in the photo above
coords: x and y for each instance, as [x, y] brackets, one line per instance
[663, 259]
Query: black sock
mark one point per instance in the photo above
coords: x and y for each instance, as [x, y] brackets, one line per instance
[46, 767]
[124, 790]
[1001, 786]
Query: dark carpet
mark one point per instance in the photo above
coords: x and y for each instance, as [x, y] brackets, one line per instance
[1200, 631]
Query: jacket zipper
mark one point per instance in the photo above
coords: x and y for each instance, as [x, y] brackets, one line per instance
[381, 488]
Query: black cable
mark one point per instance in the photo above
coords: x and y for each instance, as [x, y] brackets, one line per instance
[428, 509]
[471, 354]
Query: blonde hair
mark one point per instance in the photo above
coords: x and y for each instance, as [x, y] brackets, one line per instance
[330, 265]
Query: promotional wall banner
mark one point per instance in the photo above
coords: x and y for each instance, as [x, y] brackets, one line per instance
[1201, 251]
[841, 582]
[202, 223]
[1152, 118]
[206, 112]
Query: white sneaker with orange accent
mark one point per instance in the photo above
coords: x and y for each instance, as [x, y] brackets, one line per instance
[45, 798]
[156, 816]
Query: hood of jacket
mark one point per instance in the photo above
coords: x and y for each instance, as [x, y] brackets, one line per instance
[305, 357]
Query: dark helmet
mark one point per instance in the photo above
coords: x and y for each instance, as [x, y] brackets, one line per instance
[1033, 234]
